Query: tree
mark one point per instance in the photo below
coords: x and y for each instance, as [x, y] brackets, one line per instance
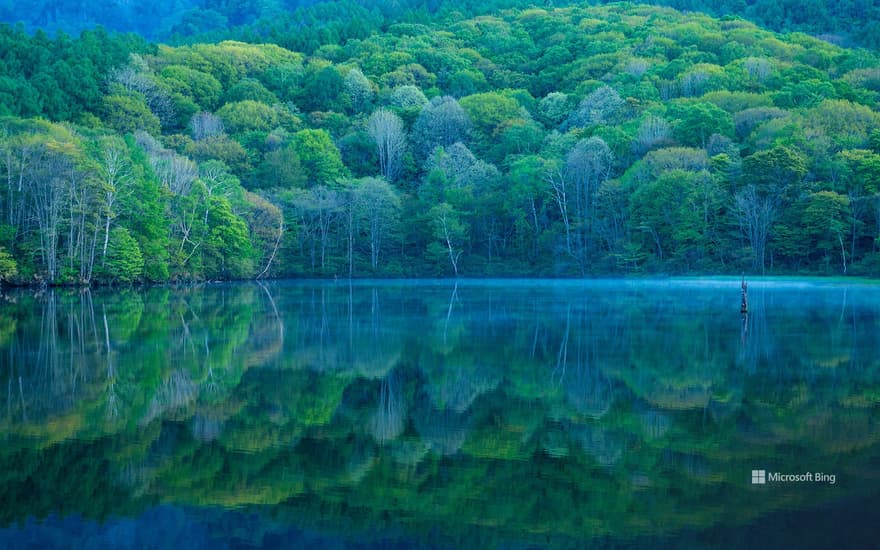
[755, 213]
[697, 122]
[281, 168]
[861, 177]
[386, 130]
[322, 89]
[408, 98]
[441, 123]
[117, 181]
[602, 106]
[146, 211]
[228, 250]
[206, 125]
[379, 205]
[554, 108]
[248, 115]
[846, 123]
[450, 231]
[587, 166]
[677, 211]
[777, 171]
[358, 89]
[826, 220]
[525, 200]
[316, 211]
[48, 193]
[127, 114]
[124, 262]
[136, 78]
[319, 157]
[653, 131]
[489, 110]
[265, 222]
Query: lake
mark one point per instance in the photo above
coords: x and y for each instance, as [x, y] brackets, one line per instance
[435, 414]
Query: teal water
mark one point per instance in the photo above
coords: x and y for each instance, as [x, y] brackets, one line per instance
[506, 414]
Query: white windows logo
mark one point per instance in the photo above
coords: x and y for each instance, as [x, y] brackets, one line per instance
[759, 477]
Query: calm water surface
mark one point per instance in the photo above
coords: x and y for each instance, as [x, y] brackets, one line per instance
[506, 414]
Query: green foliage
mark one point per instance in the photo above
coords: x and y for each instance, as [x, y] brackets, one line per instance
[228, 250]
[776, 171]
[719, 115]
[281, 168]
[695, 123]
[826, 221]
[8, 266]
[124, 262]
[128, 113]
[318, 156]
[248, 115]
[488, 111]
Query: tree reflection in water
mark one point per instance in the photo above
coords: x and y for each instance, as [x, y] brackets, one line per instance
[442, 404]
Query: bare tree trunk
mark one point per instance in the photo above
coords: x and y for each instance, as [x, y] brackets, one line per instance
[558, 188]
[274, 249]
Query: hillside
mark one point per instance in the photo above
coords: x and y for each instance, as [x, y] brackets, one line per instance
[566, 141]
[847, 22]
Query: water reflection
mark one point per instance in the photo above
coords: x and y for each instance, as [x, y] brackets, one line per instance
[512, 408]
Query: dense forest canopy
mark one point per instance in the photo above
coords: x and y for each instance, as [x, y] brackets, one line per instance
[539, 141]
[840, 21]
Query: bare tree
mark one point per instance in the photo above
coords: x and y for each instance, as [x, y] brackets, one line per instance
[602, 106]
[652, 131]
[117, 179]
[557, 180]
[317, 209]
[386, 130]
[48, 191]
[758, 68]
[83, 224]
[380, 206]
[206, 125]
[442, 122]
[449, 229]
[755, 215]
[174, 171]
[18, 155]
[137, 77]
[589, 164]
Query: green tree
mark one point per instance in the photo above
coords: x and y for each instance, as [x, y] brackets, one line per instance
[826, 221]
[281, 168]
[248, 115]
[124, 262]
[228, 249]
[128, 113]
[319, 157]
[695, 123]
[488, 111]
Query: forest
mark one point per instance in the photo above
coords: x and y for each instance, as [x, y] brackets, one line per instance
[451, 141]
[325, 22]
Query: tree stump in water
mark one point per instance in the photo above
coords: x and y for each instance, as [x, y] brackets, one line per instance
[744, 307]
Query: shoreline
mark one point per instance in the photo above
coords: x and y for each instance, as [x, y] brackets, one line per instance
[756, 280]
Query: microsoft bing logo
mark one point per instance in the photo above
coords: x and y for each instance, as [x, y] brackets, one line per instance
[759, 477]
